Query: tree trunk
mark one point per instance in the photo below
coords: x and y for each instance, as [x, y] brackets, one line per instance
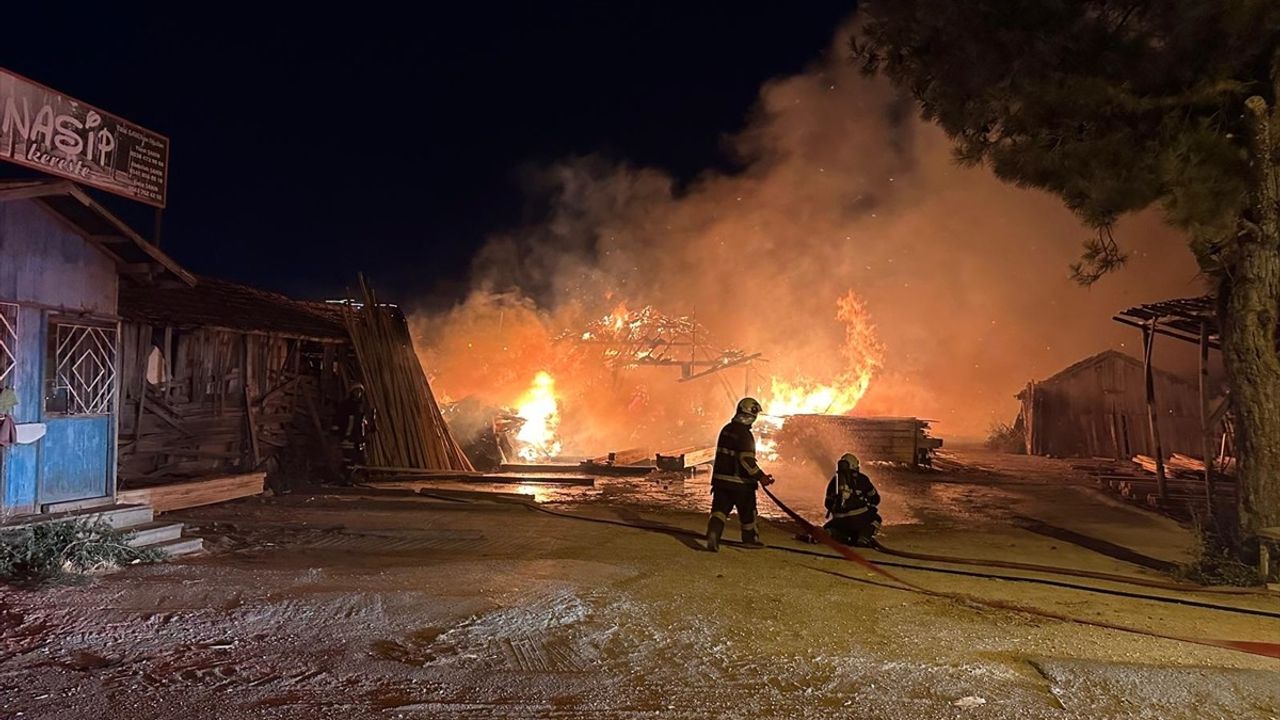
[1249, 298]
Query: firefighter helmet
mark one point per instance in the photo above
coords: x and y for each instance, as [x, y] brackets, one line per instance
[850, 460]
[748, 409]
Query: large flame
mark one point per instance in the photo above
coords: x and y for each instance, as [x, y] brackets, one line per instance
[541, 415]
[864, 354]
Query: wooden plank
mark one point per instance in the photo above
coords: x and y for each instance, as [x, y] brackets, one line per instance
[1206, 430]
[1148, 342]
[179, 496]
[495, 479]
[392, 470]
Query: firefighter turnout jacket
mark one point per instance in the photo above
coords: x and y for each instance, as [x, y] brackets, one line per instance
[735, 465]
[851, 496]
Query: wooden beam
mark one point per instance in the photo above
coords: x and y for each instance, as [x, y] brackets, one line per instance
[34, 190]
[1153, 417]
[179, 496]
[1206, 430]
[719, 367]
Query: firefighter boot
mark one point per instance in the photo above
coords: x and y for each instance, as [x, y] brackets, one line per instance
[715, 527]
[751, 537]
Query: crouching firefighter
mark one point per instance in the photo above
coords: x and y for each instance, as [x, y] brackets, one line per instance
[735, 476]
[852, 504]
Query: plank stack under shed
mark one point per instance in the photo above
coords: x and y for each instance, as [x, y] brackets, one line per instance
[1185, 495]
[411, 432]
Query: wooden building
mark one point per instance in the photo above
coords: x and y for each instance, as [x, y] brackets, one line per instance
[220, 378]
[1098, 408]
[62, 260]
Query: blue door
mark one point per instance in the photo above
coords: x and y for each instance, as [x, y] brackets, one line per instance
[77, 451]
[75, 459]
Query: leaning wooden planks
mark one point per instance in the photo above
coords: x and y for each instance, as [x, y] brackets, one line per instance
[411, 431]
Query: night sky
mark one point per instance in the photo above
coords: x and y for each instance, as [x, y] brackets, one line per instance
[307, 147]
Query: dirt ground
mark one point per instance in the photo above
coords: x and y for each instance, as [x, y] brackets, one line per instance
[382, 604]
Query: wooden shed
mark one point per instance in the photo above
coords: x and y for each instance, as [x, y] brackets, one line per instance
[220, 377]
[1098, 408]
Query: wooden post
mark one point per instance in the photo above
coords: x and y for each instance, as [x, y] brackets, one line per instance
[247, 386]
[1206, 427]
[1148, 343]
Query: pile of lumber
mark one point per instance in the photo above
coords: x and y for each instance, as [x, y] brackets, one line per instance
[902, 440]
[411, 432]
[1185, 492]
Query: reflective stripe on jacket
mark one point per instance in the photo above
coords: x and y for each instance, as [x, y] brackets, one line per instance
[735, 463]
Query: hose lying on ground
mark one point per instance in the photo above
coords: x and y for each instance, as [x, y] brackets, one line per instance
[1264, 649]
[877, 565]
[1110, 577]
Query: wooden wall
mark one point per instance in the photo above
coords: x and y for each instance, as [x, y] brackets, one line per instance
[43, 262]
[234, 401]
[1100, 410]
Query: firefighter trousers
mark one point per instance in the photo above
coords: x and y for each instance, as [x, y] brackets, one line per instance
[856, 529]
[723, 501]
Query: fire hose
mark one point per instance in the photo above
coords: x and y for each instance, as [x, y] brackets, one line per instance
[1265, 649]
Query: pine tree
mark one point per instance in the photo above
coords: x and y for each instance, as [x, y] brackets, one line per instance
[1116, 106]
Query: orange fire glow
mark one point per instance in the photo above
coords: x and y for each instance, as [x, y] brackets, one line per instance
[865, 355]
[541, 413]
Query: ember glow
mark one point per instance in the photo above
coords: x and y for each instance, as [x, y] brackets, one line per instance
[541, 413]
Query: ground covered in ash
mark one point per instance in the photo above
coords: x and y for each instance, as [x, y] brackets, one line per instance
[381, 605]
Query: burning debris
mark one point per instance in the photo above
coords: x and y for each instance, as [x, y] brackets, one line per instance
[608, 382]
[631, 338]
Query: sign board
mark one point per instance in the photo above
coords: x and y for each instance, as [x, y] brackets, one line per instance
[45, 130]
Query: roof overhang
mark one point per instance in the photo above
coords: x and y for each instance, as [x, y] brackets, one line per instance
[69, 204]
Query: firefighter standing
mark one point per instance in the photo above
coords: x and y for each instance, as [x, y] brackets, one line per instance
[353, 424]
[852, 504]
[735, 476]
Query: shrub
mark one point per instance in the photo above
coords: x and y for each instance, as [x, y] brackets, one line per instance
[59, 551]
[1220, 558]
[1006, 438]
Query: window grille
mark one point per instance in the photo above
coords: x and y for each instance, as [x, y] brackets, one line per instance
[8, 343]
[83, 361]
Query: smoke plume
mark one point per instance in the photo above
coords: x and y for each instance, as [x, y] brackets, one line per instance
[841, 188]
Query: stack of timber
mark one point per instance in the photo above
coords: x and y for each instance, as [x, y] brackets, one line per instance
[221, 378]
[903, 440]
[411, 432]
[1185, 493]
